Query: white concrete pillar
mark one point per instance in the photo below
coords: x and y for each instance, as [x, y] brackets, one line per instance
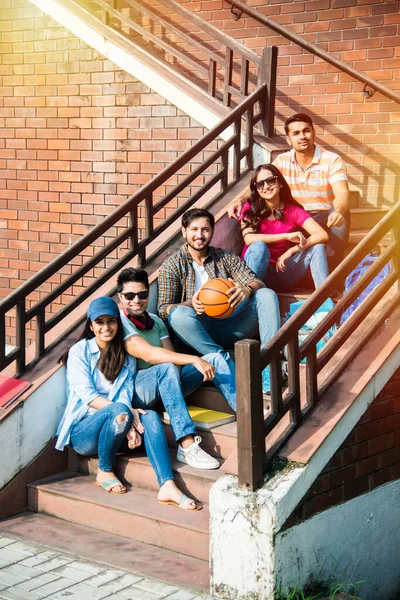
[243, 525]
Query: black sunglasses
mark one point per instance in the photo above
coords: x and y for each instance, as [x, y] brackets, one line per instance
[269, 181]
[131, 295]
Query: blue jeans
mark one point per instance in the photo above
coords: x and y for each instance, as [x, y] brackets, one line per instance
[100, 433]
[313, 259]
[168, 383]
[338, 237]
[257, 315]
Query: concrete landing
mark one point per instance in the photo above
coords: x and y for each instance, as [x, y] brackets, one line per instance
[48, 538]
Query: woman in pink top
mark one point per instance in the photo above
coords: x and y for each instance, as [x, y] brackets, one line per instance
[276, 249]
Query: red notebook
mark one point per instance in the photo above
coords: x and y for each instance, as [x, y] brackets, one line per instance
[11, 389]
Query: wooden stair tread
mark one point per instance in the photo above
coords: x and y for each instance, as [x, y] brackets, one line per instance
[109, 549]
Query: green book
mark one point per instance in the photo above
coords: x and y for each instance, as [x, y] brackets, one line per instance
[206, 418]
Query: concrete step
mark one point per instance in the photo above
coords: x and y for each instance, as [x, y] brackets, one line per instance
[136, 470]
[219, 441]
[357, 236]
[366, 218]
[135, 515]
[287, 298]
[207, 396]
[109, 549]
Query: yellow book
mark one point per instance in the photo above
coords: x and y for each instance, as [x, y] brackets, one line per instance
[206, 418]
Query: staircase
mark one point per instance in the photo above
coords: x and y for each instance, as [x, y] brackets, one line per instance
[67, 510]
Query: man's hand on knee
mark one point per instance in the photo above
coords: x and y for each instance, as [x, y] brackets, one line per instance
[335, 219]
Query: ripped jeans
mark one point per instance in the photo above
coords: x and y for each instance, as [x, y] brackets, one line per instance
[100, 433]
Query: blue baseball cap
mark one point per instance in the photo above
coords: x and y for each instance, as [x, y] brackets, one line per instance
[102, 306]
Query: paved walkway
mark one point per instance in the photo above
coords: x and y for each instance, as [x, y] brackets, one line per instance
[32, 572]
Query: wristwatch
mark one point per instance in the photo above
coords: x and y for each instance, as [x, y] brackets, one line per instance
[250, 290]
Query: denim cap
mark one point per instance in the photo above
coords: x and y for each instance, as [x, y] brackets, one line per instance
[103, 306]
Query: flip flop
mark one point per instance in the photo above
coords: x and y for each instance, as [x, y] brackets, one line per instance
[181, 503]
[109, 484]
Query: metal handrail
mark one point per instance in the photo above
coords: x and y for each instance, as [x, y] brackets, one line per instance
[252, 458]
[314, 49]
[253, 109]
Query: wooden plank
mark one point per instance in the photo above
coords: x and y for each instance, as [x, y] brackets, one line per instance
[267, 74]
[250, 422]
[228, 77]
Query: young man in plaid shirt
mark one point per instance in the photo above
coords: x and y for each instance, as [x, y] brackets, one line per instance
[181, 277]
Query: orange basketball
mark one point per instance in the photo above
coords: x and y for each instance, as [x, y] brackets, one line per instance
[214, 298]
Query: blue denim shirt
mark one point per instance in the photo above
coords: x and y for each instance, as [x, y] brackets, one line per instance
[82, 376]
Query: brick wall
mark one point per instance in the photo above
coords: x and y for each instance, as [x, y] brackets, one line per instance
[363, 33]
[368, 458]
[78, 136]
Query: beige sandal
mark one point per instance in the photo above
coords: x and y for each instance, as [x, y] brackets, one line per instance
[110, 484]
[181, 504]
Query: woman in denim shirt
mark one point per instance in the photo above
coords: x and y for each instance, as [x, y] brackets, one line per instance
[99, 418]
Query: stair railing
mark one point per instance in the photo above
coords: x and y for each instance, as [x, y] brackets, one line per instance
[232, 72]
[220, 169]
[252, 429]
[371, 85]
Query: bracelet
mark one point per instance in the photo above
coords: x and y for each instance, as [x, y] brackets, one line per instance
[250, 290]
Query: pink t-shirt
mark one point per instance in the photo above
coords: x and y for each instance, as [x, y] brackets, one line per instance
[293, 219]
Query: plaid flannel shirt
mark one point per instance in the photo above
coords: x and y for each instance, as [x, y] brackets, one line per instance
[176, 277]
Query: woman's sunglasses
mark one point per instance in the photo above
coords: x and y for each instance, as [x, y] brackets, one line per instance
[269, 181]
[131, 295]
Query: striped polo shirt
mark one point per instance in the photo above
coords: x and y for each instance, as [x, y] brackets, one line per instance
[312, 187]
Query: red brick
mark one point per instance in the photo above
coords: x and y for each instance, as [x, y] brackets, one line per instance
[356, 488]
[341, 476]
[380, 477]
[391, 423]
[391, 457]
[391, 389]
[369, 430]
[328, 499]
[368, 465]
[380, 443]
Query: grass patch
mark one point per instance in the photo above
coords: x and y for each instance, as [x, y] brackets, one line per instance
[319, 589]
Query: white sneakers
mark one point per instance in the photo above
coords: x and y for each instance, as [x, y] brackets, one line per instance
[196, 457]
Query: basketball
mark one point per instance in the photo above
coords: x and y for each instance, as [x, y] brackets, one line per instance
[214, 298]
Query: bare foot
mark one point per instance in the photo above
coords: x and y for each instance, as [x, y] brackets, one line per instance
[170, 491]
[103, 476]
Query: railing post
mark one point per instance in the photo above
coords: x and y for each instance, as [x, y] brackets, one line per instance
[250, 422]
[236, 150]
[225, 169]
[21, 337]
[212, 77]
[311, 377]
[250, 137]
[2, 340]
[294, 378]
[134, 237]
[228, 76]
[267, 74]
[396, 257]
[106, 14]
[40, 333]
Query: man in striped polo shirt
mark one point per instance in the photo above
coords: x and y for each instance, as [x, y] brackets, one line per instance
[318, 181]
